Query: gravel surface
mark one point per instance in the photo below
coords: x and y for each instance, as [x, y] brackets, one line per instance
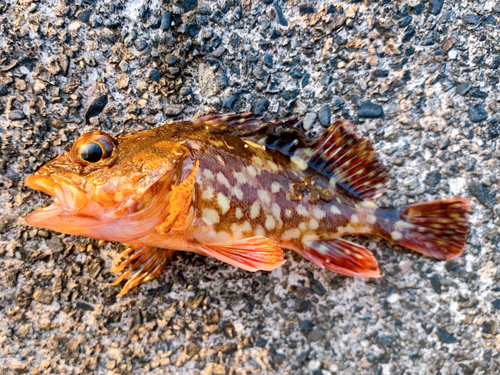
[419, 77]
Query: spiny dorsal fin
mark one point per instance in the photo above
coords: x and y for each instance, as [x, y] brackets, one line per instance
[340, 153]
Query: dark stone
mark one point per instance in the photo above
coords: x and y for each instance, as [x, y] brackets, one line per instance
[478, 113]
[386, 340]
[16, 115]
[268, 60]
[141, 45]
[490, 20]
[408, 35]
[84, 15]
[193, 29]
[317, 287]
[185, 91]
[463, 88]
[433, 178]
[381, 73]
[267, 2]
[370, 110]
[325, 116]
[261, 106]
[437, 5]
[419, 8]
[306, 9]
[96, 107]
[190, 5]
[476, 93]
[281, 18]
[496, 304]
[3, 90]
[445, 144]
[173, 111]
[85, 306]
[495, 64]
[295, 73]
[192, 349]
[154, 75]
[229, 101]
[448, 338]
[228, 329]
[436, 283]
[224, 79]
[306, 326]
[488, 327]
[316, 334]
[204, 9]
[234, 40]
[261, 342]
[229, 348]
[171, 60]
[482, 193]
[166, 19]
[406, 21]
[472, 19]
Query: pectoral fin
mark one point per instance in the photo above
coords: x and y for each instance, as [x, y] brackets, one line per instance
[251, 254]
[181, 204]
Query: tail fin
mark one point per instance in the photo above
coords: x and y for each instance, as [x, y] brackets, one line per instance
[437, 229]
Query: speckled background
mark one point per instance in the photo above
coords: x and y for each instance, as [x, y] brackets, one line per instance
[419, 77]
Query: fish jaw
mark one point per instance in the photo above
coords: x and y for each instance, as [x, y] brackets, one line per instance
[69, 213]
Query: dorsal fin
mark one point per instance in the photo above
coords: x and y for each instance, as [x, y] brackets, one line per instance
[348, 159]
[340, 153]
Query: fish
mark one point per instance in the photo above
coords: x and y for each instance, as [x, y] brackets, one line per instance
[240, 189]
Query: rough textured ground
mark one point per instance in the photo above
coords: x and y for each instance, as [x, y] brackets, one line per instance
[420, 78]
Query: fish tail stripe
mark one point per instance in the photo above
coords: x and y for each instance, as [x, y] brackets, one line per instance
[437, 229]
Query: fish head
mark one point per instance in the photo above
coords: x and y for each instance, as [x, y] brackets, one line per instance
[104, 182]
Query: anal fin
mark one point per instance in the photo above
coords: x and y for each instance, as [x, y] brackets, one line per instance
[342, 256]
[251, 254]
[142, 264]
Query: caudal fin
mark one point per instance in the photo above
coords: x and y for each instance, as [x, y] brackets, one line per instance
[437, 229]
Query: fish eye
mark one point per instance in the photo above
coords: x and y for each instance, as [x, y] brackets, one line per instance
[91, 152]
[93, 147]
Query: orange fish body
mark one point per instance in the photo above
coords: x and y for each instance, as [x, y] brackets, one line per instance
[239, 189]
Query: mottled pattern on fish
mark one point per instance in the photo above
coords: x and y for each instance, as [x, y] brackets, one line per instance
[239, 189]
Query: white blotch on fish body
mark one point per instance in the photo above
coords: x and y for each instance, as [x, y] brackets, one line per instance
[255, 210]
[223, 202]
[275, 187]
[318, 213]
[335, 210]
[301, 210]
[210, 216]
[264, 196]
[223, 180]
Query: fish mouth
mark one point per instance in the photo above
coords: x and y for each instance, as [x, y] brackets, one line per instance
[68, 198]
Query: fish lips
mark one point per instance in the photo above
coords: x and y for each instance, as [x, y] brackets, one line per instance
[68, 200]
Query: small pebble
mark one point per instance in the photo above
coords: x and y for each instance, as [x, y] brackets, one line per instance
[154, 75]
[165, 20]
[308, 120]
[370, 110]
[478, 113]
[122, 81]
[261, 106]
[325, 116]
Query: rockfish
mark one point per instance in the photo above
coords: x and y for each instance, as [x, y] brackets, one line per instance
[240, 189]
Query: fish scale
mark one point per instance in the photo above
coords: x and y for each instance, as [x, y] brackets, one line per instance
[239, 189]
